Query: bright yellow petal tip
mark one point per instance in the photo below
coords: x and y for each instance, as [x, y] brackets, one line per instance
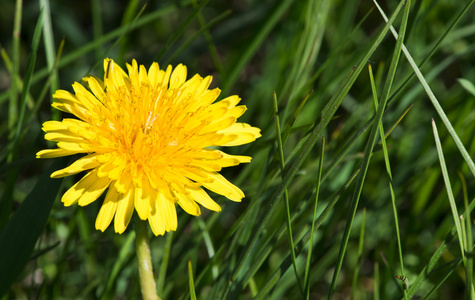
[147, 136]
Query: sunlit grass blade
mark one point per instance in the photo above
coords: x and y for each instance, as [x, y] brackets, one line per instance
[435, 102]
[28, 223]
[312, 230]
[376, 280]
[388, 170]
[448, 187]
[433, 50]
[360, 256]
[286, 195]
[369, 147]
[190, 278]
[467, 85]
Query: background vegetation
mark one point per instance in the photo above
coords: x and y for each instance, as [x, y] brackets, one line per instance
[370, 225]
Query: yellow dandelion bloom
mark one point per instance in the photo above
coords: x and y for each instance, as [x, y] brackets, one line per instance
[147, 138]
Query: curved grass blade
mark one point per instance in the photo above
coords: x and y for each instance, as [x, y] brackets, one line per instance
[360, 256]
[433, 99]
[25, 226]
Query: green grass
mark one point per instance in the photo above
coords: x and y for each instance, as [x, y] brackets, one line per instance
[332, 210]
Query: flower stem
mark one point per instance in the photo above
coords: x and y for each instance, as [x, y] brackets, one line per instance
[144, 261]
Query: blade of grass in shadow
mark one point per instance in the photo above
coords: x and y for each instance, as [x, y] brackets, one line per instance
[128, 28]
[286, 195]
[126, 252]
[204, 29]
[433, 99]
[312, 230]
[7, 196]
[370, 146]
[28, 223]
[254, 45]
[437, 255]
[442, 280]
[448, 187]
[376, 280]
[164, 263]
[173, 38]
[14, 90]
[360, 256]
[43, 92]
[468, 239]
[311, 141]
[190, 278]
[96, 13]
[26, 86]
[211, 47]
[388, 170]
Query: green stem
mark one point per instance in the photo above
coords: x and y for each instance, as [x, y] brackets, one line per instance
[144, 261]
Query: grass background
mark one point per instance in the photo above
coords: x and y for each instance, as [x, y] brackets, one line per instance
[384, 208]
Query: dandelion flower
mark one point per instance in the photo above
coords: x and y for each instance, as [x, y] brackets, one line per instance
[149, 139]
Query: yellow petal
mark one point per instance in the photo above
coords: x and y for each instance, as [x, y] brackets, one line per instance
[204, 199]
[222, 186]
[188, 205]
[142, 206]
[178, 77]
[231, 160]
[64, 136]
[71, 147]
[125, 208]
[168, 211]
[86, 190]
[108, 209]
[52, 153]
[245, 134]
[84, 163]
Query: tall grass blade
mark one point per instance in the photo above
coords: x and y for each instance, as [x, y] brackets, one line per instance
[28, 223]
[369, 148]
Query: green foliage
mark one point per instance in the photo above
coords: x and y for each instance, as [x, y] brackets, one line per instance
[350, 221]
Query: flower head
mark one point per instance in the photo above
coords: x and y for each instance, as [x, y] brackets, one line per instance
[147, 138]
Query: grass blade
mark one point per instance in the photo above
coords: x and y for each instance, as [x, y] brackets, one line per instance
[369, 149]
[453, 205]
[433, 99]
[28, 223]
